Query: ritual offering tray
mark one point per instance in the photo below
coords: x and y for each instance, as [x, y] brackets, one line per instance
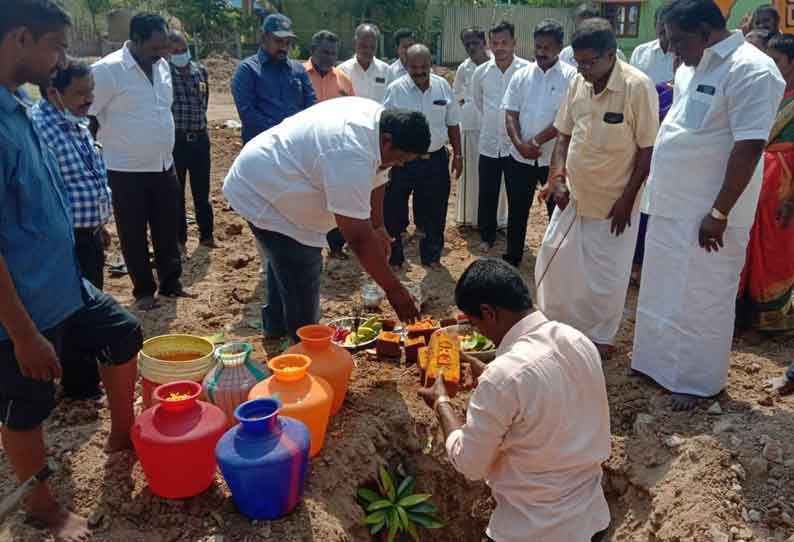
[348, 336]
[472, 342]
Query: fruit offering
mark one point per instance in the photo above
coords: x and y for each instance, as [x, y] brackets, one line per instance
[367, 331]
[475, 342]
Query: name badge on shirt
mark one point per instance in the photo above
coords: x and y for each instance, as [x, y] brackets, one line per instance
[706, 89]
[202, 87]
[380, 80]
[440, 102]
[613, 118]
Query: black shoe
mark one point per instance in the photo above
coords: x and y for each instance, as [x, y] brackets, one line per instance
[512, 261]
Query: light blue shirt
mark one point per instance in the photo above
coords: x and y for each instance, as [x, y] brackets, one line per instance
[36, 236]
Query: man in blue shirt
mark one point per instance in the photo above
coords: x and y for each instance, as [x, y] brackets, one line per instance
[44, 297]
[268, 87]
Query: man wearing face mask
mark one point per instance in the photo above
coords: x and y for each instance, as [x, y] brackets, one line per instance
[192, 147]
[132, 106]
[61, 117]
[268, 87]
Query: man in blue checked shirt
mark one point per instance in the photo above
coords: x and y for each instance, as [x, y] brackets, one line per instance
[61, 118]
[268, 87]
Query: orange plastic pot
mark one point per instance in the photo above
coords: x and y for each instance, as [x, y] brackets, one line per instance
[329, 361]
[304, 397]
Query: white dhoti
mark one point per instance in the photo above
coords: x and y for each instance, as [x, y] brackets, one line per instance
[687, 307]
[468, 187]
[585, 286]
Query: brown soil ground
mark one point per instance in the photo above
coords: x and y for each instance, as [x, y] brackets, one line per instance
[672, 477]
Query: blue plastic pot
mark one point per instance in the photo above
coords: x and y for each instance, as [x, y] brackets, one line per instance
[264, 459]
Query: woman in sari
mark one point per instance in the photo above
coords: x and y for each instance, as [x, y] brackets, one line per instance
[765, 290]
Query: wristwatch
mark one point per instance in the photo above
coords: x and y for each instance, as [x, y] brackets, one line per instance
[440, 401]
[718, 215]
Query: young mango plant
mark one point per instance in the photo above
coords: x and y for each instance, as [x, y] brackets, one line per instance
[394, 511]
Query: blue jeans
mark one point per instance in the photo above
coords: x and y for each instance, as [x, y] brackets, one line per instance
[293, 283]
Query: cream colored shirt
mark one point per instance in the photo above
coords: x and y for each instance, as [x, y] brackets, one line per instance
[606, 131]
[537, 430]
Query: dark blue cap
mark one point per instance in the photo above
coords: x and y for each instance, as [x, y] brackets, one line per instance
[279, 25]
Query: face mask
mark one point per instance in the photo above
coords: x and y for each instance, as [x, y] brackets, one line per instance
[71, 117]
[181, 60]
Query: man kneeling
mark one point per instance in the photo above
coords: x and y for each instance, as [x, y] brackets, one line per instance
[537, 424]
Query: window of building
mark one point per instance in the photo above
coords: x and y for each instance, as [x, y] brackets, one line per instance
[625, 19]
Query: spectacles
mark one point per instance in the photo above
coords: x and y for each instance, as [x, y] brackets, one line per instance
[587, 64]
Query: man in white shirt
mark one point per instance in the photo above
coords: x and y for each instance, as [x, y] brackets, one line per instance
[468, 188]
[404, 39]
[701, 197]
[428, 177]
[654, 58]
[531, 102]
[537, 425]
[367, 72]
[489, 84]
[582, 13]
[317, 169]
[133, 94]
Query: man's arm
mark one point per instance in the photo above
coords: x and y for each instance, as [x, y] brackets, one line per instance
[477, 89]
[244, 93]
[35, 354]
[453, 132]
[623, 207]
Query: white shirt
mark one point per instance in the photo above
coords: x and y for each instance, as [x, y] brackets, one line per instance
[654, 62]
[489, 84]
[370, 83]
[732, 95]
[136, 126]
[437, 103]
[566, 55]
[537, 430]
[294, 177]
[395, 71]
[462, 87]
[536, 96]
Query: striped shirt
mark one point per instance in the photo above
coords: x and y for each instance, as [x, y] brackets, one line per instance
[191, 96]
[81, 164]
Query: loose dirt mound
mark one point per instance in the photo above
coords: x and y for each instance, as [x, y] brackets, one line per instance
[221, 68]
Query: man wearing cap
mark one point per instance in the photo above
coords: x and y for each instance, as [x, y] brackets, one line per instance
[268, 87]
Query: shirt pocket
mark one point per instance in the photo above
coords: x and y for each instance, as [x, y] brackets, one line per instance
[611, 130]
[438, 113]
[698, 106]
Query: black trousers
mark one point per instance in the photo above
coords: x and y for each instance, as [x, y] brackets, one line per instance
[81, 376]
[428, 181]
[192, 156]
[141, 200]
[336, 240]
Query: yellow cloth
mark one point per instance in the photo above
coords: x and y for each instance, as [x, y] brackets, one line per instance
[606, 131]
[333, 85]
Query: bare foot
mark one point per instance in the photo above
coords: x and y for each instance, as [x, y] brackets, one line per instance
[118, 443]
[680, 402]
[64, 525]
[780, 384]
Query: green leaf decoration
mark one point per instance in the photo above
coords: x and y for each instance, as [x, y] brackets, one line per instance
[379, 505]
[403, 517]
[387, 483]
[412, 500]
[423, 508]
[406, 487]
[367, 495]
[378, 527]
[426, 521]
[394, 524]
[375, 517]
[411, 529]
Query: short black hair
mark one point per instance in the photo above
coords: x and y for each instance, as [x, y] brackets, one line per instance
[550, 27]
[586, 11]
[769, 9]
[143, 25]
[504, 26]
[761, 33]
[38, 16]
[494, 282]
[473, 30]
[402, 34]
[690, 14]
[783, 44]
[64, 75]
[409, 129]
[659, 13]
[595, 34]
[322, 36]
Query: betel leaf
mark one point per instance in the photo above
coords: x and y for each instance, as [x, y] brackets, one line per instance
[375, 517]
[406, 487]
[379, 505]
[387, 483]
[426, 521]
[367, 495]
[412, 500]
